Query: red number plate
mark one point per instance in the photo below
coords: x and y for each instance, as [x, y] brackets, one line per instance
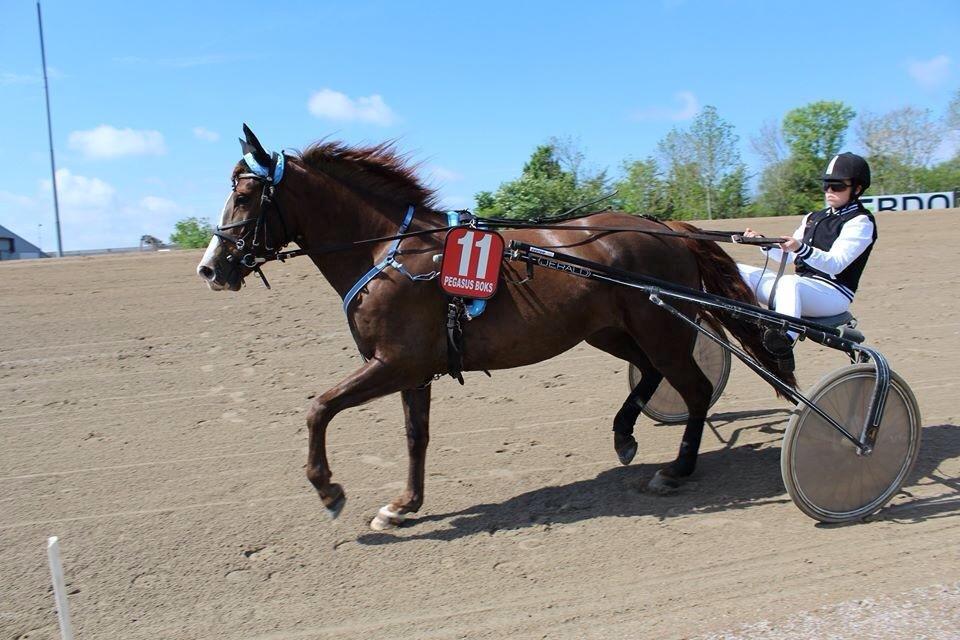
[471, 263]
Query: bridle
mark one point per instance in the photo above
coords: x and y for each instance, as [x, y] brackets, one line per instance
[255, 231]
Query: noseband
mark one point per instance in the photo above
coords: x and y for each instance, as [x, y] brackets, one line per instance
[256, 234]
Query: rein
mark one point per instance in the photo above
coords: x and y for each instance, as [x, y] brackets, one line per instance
[715, 236]
[269, 170]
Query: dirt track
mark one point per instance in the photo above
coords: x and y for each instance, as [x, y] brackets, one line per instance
[157, 428]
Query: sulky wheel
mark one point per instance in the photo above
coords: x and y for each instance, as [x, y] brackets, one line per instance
[821, 469]
[666, 405]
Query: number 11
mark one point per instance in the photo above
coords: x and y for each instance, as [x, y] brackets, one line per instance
[467, 252]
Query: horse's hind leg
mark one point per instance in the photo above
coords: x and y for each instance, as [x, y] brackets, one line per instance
[621, 345]
[416, 414]
[682, 371]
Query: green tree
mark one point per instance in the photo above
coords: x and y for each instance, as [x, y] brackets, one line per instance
[545, 186]
[783, 190]
[698, 164]
[812, 134]
[815, 133]
[642, 189]
[944, 176]
[714, 146]
[191, 233]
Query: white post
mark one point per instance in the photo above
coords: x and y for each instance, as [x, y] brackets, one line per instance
[59, 589]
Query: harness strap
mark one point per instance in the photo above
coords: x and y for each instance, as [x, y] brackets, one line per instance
[771, 302]
[388, 261]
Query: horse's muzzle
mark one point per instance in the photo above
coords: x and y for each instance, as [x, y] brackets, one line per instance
[216, 281]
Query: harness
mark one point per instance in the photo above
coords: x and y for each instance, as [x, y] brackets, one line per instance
[388, 261]
[255, 247]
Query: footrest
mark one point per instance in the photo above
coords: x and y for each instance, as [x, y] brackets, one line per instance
[836, 321]
[843, 321]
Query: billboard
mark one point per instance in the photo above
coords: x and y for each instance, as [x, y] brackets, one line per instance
[910, 201]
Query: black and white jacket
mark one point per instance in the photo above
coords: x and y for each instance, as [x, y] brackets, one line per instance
[835, 246]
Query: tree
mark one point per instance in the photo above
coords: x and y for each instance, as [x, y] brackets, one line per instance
[780, 191]
[191, 233]
[941, 177]
[714, 146]
[545, 186]
[815, 133]
[698, 163]
[953, 112]
[900, 144]
[642, 189]
[768, 143]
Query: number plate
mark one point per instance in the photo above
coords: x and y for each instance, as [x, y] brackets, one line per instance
[471, 263]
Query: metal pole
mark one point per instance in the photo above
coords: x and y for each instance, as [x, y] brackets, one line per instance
[53, 168]
[59, 588]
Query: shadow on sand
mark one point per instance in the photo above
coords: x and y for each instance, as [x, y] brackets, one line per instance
[735, 477]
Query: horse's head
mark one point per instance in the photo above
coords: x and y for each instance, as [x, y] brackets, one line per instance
[252, 228]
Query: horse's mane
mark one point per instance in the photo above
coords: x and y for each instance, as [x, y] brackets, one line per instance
[380, 169]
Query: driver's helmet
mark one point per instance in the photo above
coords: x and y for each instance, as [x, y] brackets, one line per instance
[848, 166]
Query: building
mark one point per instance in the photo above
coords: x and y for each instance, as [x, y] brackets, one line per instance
[13, 246]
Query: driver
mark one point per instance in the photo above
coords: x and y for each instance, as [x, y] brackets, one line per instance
[829, 251]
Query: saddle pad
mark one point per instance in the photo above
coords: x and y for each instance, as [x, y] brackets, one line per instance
[471, 263]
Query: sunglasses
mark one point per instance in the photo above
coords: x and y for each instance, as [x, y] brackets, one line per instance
[836, 187]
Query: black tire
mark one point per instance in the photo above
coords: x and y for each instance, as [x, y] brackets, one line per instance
[666, 405]
[822, 472]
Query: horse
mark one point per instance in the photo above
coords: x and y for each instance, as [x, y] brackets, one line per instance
[342, 204]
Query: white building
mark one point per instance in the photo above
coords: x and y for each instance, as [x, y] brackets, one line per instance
[13, 246]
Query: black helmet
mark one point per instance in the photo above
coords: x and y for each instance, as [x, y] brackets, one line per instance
[848, 166]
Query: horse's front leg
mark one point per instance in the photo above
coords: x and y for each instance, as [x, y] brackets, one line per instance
[416, 414]
[372, 380]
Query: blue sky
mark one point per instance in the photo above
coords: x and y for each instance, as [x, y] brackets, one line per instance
[148, 99]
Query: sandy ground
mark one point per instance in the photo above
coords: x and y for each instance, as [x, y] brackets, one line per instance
[158, 429]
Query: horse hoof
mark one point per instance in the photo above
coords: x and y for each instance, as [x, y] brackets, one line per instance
[386, 519]
[627, 452]
[334, 508]
[663, 484]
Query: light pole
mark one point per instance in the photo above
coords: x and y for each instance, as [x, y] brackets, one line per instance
[53, 167]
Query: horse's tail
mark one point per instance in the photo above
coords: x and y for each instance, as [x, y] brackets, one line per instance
[721, 277]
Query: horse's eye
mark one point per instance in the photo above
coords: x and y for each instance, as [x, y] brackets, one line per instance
[241, 199]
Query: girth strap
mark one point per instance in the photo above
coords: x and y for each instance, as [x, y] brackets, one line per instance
[388, 261]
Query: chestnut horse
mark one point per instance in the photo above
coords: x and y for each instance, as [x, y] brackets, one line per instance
[331, 197]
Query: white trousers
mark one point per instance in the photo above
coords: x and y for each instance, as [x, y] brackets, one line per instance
[796, 296]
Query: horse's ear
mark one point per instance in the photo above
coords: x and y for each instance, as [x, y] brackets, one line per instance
[252, 146]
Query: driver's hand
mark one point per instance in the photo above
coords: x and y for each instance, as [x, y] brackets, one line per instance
[789, 244]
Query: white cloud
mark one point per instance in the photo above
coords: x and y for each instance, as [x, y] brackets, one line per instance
[334, 105]
[14, 202]
[93, 214]
[930, 73]
[689, 107]
[18, 78]
[80, 192]
[155, 204]
[10, 78]
[205, 134]
[109, 142]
